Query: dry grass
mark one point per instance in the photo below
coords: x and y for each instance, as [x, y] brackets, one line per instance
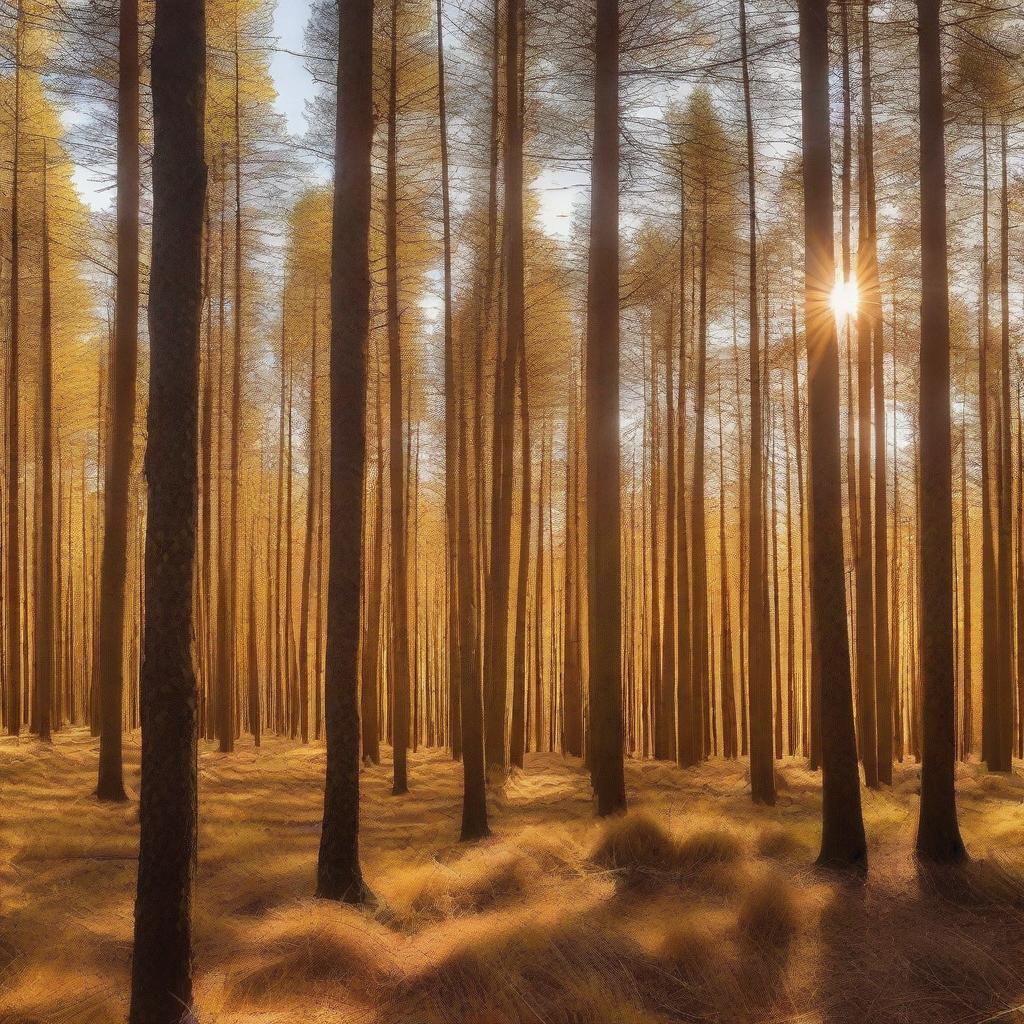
[696, 906]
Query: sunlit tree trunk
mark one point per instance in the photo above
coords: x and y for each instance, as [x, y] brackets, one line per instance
[842, 842]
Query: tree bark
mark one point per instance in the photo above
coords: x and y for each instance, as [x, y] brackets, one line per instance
[603, 442]
[161, 963]
[842, 842]
[938, 834]
[338, 873]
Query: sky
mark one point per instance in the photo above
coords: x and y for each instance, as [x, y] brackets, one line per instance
[294, 84]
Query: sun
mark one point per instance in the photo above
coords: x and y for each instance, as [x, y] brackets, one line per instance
[844, 299]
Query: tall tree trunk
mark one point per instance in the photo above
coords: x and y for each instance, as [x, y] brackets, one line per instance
[124, 366]
[762, 765]
[45, 641]
[399, 566]
[730, 747]
[517, 742]
[699, 579]
[989, 611]
[474, 781]
[451, 489]
[603, 443]
[13, 481]
[842, 841]
[938, 834]
[307, 554]
[871, 300]
[161, 962]
[667, 704]
[864, 551]
[371, 636]
[572, 675]
[338, 873]
[1003, 746]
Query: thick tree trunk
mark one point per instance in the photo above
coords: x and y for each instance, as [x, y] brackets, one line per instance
[938, 834]
[161, 963]
[842, 842]
[338, 873]
[603, 442]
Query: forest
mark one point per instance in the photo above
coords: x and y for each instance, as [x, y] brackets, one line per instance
[512, 511]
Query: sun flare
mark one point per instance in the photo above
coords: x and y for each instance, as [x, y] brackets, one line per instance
[844, 299]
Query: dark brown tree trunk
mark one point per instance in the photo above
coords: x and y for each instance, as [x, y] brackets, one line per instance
[938, 834]
[842, 841]
[338, 873]
[371, 634]
[474, 780]
[603, 442]
[399, 567]
[124, 367]
[161, 963]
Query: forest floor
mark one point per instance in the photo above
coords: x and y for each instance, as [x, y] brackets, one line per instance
[697, 906]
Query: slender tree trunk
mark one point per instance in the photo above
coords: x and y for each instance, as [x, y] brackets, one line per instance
[474, 781]
[45, 670]
[1003, 746]
[371, 636]
[399, 569]
[842, 841]
[864, 551]
[307, 554]
[338, 873]
[517, 744]
[161, 963]
[13, 481]
[603, 442]
[124, 365]
[762, 767]
[938, 834]
[871, 300]
[989, 611]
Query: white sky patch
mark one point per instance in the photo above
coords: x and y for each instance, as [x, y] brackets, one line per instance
[292, 81]
[558, 192]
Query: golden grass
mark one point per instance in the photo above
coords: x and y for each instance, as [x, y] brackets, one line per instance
[695, 906]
